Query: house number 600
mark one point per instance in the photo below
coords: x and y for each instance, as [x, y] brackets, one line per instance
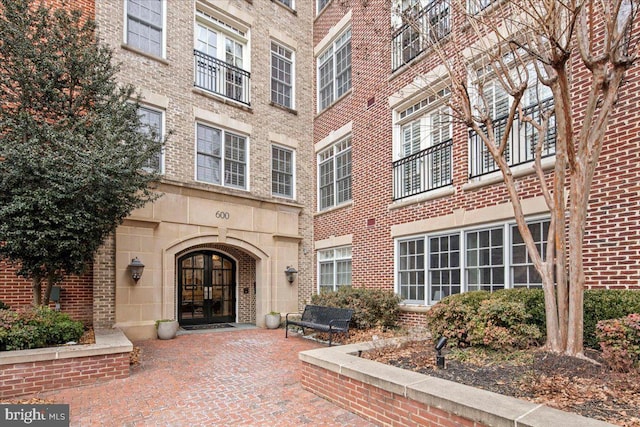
[222, 215]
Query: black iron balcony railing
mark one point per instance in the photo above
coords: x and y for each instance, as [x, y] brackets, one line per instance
[423, 171]
[521, 143]
[422, 29]
[221, 78]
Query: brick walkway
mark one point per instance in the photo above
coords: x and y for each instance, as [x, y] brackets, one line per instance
[222, 378]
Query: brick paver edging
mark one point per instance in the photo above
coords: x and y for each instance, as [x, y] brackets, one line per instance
[25, 372]
[388, 395]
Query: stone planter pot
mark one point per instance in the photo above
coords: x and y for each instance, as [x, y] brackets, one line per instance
[272, 320]
[167, 329]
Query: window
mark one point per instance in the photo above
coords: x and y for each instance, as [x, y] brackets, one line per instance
[334, 70]
[334, 171]
[523, 273]
[288, 3]
[321, 5]
[144, 25]
[423, 154]
[221, 151]
[151, 124]
[432, 267]
[334, 268]
[522, 140]
[418, 25]
[281, 172]
[221, 58]
[477, 6]
[281, 75]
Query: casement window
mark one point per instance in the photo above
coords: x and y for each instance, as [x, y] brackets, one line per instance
[418, 24]
[151, 124]
[522, 140]
[334, 170]
[221, 57]
[282, 180]
[221, 157]
[320, 4]
[431, 267]
[282, 75]
[423, 148]
[144, 29]
[334, 70]
[334, 268]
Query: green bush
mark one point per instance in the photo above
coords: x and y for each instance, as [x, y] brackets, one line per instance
[620, 342]
[36, 327]
[451, 316]
[604, 304]
[371, 307]
[4, 306]
[501, 324]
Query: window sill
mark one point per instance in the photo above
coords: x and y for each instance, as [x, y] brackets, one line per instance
[282, 107]
[334, 208]
[518, 172]
[222, 99]
[284, 6]
[430, 195]
[145, 54]
[330, 106]
[413, 308]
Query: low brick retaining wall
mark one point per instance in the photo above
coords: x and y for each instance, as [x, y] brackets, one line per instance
[390, 396]
[26, 372]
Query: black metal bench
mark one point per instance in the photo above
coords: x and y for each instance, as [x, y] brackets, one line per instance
[320, 318]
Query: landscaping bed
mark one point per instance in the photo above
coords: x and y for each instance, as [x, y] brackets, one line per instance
[567, 383]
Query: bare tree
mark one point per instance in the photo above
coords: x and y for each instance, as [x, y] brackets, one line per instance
[530, 50]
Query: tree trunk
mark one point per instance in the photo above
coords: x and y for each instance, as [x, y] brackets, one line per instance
[36, 285]
[47, 290]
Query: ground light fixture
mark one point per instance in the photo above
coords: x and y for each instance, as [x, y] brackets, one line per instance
[290, 272]
[439, 357]
[136, 267]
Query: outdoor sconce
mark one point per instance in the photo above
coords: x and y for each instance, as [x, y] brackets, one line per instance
[290, 271]
[439, 346]
[136, 268]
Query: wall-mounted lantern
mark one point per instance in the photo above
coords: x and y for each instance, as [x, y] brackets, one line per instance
[136, 268]
[290, 272]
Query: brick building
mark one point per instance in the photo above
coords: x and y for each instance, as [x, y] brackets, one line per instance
[405, 199]
[227, 79]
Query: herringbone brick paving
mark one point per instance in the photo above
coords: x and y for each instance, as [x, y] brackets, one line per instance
[231, 378]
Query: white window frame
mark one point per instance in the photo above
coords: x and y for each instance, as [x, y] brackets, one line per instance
[506, 267]
[152, 110]
[163, 41]
[293, 171]
[417, 117]
[338, 149]
[226, 29]
[292, 63]
[321, 5]
[333, 257]
[328, 57]
[222, 157]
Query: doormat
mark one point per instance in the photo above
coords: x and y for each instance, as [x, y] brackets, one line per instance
[208, 326]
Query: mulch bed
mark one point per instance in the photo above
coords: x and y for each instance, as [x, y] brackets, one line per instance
[567, 383]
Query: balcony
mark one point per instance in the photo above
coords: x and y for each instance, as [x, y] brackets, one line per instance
[423, 171]
[422, 29]
[221, 78]
[521, 143]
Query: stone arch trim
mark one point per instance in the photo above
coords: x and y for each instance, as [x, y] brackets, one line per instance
[169, 291]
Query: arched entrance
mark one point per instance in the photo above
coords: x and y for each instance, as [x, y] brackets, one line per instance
[206, 288]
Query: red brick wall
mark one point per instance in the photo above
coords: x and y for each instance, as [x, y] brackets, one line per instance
[76, 297]
[379, 406]
[613, 233]
[20, 379]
